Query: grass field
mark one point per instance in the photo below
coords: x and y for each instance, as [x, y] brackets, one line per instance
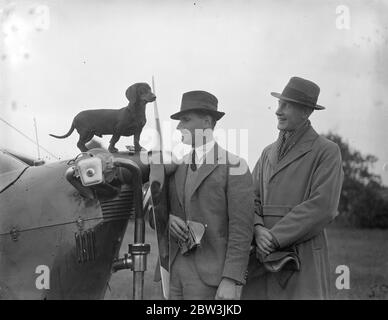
[365, 252]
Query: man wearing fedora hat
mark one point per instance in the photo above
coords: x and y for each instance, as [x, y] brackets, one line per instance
[211, 188]
[297, 183]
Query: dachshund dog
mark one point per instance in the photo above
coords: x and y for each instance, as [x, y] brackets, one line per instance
[126, 121]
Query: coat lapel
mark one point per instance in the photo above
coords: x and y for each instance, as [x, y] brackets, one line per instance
[212, 160]
[180, 177]
[303, 146]
[273, 155]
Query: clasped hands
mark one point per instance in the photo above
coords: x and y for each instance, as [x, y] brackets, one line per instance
[265, 242]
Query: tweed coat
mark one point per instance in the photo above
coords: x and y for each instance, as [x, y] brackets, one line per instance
[222, 199]
[296, 198]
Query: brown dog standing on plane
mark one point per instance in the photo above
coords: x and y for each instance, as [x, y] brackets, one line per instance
[126, 121]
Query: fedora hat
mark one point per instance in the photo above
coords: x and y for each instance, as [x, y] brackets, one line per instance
[301, 91]
[199, 101]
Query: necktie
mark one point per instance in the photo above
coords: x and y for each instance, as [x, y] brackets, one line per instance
[193, 166]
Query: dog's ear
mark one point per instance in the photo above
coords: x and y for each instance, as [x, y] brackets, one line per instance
[131, 93]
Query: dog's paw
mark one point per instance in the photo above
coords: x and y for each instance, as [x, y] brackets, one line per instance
[113, 150]
[139, 148]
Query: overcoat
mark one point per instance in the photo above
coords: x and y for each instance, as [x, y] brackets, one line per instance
[222, 199]
[296, 198]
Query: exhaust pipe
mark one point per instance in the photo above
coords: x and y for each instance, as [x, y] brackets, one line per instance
[136, 259]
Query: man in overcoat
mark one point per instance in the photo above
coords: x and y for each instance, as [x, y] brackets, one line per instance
[212, 188]
[297, 183]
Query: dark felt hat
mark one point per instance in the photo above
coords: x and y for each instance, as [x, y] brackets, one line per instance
[199, 101]
[301, 91]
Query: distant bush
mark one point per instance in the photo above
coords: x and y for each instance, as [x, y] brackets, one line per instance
[363, 201]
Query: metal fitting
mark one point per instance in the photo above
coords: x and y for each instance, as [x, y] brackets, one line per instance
[139, 252]
[123, 263]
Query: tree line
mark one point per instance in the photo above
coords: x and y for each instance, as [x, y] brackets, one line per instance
[364, 199]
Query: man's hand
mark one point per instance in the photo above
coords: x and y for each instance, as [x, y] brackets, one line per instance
[264, 240]
[227, 290]
[178, 228]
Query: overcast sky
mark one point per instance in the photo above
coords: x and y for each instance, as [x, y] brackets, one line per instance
[60, 57]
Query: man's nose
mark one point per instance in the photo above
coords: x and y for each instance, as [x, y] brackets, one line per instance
[179, 126]
[279, 111]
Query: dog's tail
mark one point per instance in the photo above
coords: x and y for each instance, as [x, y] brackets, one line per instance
[66, 135]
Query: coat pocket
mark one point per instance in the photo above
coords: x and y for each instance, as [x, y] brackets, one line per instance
[273, 213]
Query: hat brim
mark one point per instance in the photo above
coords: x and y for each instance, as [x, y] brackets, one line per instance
[279, 96]
[217, 115]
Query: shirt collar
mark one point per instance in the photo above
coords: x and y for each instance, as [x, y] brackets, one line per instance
[201, 151]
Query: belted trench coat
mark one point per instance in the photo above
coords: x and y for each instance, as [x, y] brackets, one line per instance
[296, 198]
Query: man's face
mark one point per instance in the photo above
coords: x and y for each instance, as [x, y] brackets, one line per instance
[290, 115]
[191, 125]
